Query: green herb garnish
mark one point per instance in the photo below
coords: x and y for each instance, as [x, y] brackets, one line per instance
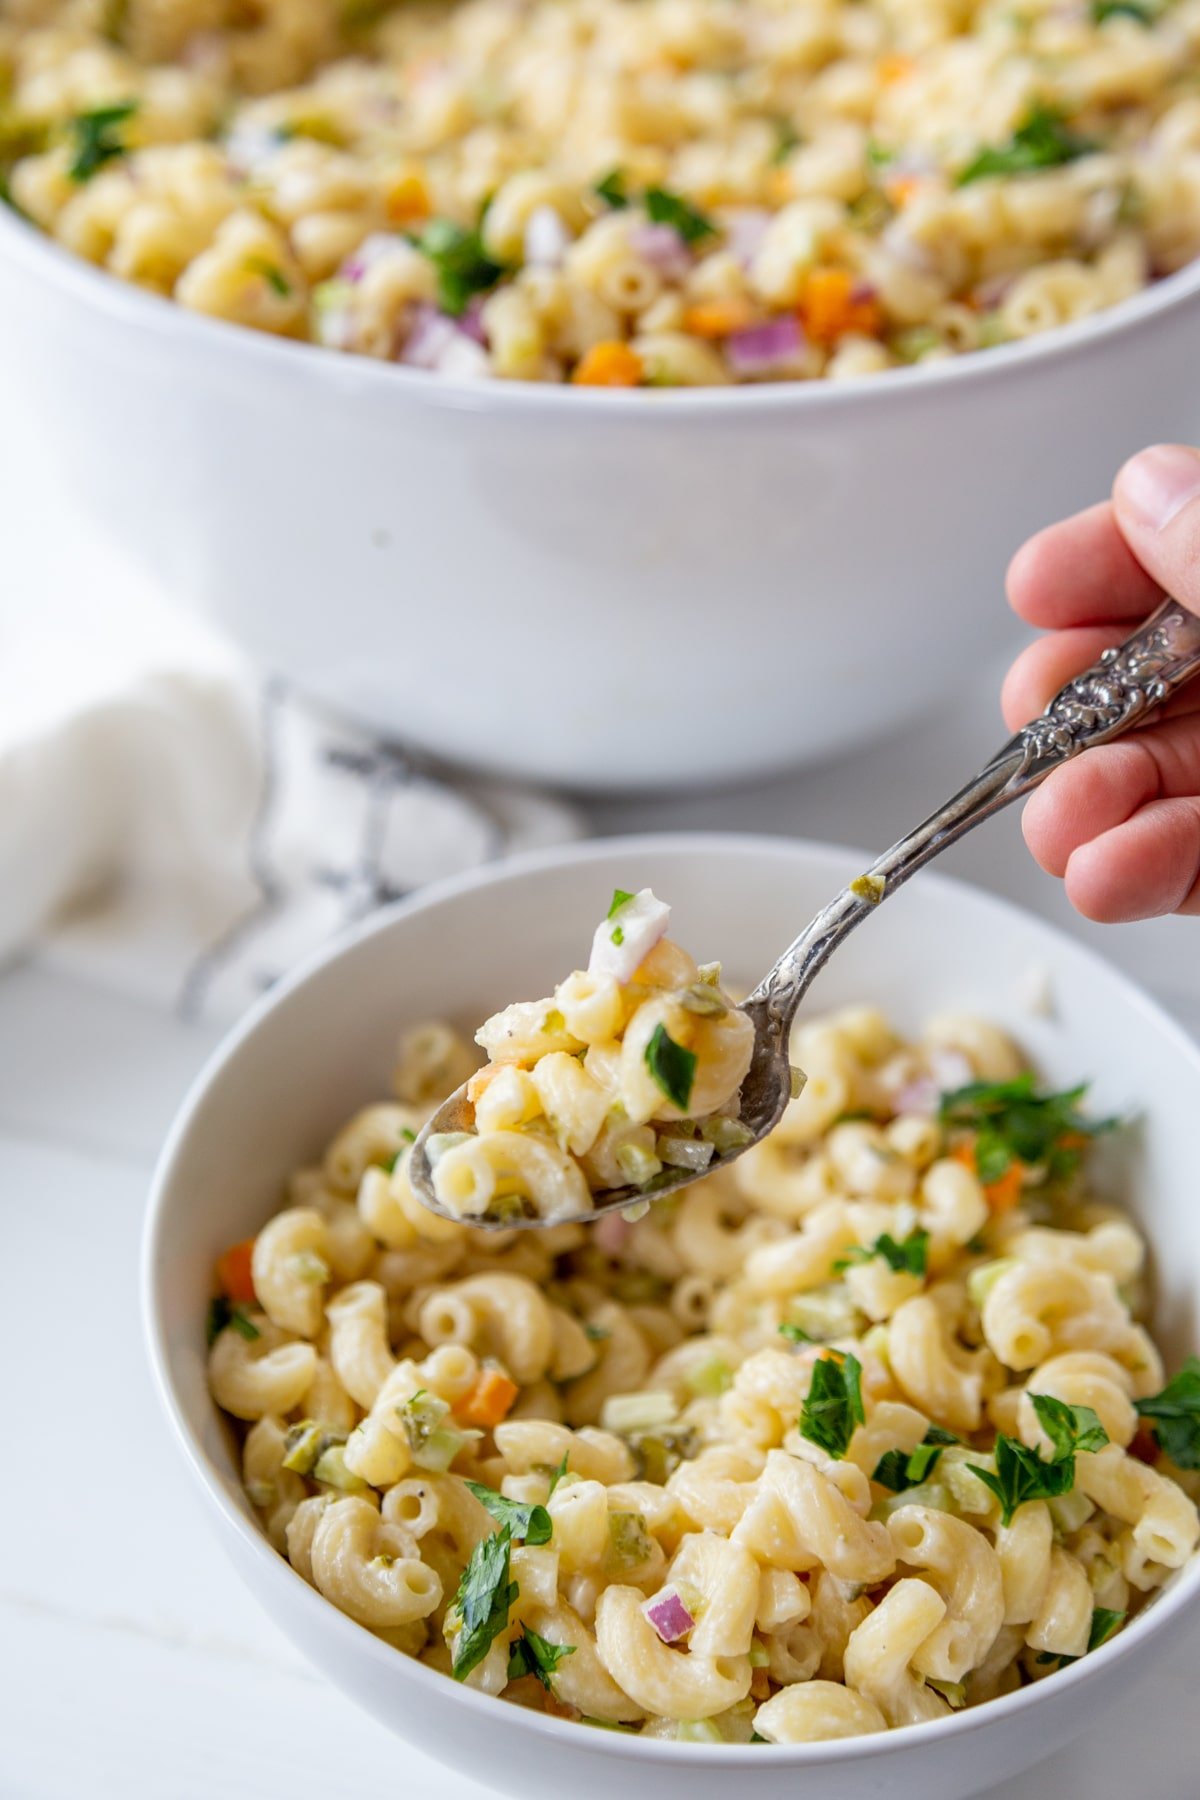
[95, 138]
[1014, 1123]
[1043, 141]
[1023, 1474]
[463, 266]
[275, 278]
[531, 1654]
[788, 140]
[899, 1470]
[613, 191]
[558, 1475]
[907, 1257]
[1174, 1416]
[221, 1312]
[1123, 9]
[484, 1598]
[796, 1334]
[833, 1405]
[526, 1523]
[620, 898]
[666, 208]
[1104, 1623]
[673, 1067]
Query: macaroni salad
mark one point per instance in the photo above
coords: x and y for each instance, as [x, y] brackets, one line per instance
[857, 1431]
[616, 193]
[631, 1070]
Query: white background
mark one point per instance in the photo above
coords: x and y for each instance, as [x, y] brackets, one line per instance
[132, 1663]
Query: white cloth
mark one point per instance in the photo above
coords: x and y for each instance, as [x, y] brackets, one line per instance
[173, 826]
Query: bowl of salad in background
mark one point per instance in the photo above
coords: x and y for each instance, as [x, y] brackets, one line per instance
[647, 331]
[323, 1045]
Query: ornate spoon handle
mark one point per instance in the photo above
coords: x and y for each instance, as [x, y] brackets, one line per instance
[1116, 694]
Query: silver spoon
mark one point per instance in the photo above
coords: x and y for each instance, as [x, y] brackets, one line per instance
[1115, 695]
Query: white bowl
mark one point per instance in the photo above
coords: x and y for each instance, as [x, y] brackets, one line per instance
[609, 590]
[323, 1045]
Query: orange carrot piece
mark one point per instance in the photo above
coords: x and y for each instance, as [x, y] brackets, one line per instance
[893, 68]
[1001, 1195]
[608, 364]
[233, 1271]
[719, 318]
[488, 1401]
[830, 307]
[900, 189]
[406, 200]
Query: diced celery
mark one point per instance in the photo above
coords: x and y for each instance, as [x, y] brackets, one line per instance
[825, 1313]
[875, 1344]
[968, 1494]
[684, 1153]
[709, 1379]
[698, 1731]
[331, 1469]
[1070, 1511]
[725, 1134]
[929, 1493]
[308, 1267]
[637, 1164]
[637, 1412]
[955, 1692]
[982, 1280]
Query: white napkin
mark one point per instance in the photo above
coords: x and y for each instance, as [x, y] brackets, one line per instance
[172, 825]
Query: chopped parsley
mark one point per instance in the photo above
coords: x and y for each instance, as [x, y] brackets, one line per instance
[1023, 1474]
[531, 1654]
[1014, 1123]
[483, 1600]
[1042, 141]
[1123, 9]
[796, 1334]
[1104, 1623]
[1174, 1416]
[526, 1523]
[673, 1067]
[906, 1257]
[557, 1476]
[613, 191]
[463, 266]
[787, 141]
[95, 138]
[274, 277]
[666, 208]
[898, 1470]
[389, 1163]
[620, 898]
[833, 1405]
[222, 1312]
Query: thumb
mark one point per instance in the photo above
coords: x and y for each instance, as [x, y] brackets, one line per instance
[1156, 497]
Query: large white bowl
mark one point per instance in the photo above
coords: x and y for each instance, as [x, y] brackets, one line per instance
[323, 1045]
[609, 590]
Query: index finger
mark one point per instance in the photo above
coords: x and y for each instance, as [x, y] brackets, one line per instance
[1080, 572]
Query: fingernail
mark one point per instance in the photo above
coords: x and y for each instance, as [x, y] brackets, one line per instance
[1158, 483]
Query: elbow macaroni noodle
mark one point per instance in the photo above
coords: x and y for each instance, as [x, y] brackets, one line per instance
[675, 1466]
[614, 192]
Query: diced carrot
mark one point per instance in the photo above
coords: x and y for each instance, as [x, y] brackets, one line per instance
[1001, 1195]
[1073, 1140]
[608, 364]
[900, 189]
[893, 68]
[406, 200]
[488, 1400]
[483, 1078]
[233, 1271]
[719, 318]
[831, 305]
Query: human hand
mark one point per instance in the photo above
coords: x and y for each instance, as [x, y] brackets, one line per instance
[1121, 823]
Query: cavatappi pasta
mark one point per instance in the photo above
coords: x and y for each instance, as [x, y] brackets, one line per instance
[630, 1071]
[863, 1429]
[615, 192]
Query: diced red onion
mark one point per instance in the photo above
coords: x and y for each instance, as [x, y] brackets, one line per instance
[921, 1095]
[372, 250]
[669, 1616]
[471, 323]
[663, 248]
[547, 239]
[639, 925]
[950, 1069]
[863, 291]
[610, 1234]
[994, 290]
[435, 342]
[745, 228]
[762, 348]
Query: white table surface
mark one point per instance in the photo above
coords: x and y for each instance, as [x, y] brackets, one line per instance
[132, 1663]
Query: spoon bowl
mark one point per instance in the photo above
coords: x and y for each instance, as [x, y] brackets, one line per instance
[1123, 690]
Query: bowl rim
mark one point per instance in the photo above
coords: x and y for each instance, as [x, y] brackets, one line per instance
[1165, 1606]
[25, 245]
